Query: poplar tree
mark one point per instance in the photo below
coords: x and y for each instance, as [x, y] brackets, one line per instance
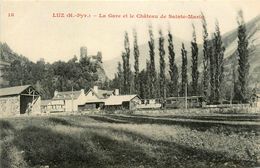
[152, 64]
[184, 77]
[194, 66]
[144, 91]
[136, 65]
[162, 66]
[243, 64]
[148, 84]
[212, 69]
[173, 84]
[119, 77]
[205, 78]
[125, 78]
[219, 58]
[127, 70]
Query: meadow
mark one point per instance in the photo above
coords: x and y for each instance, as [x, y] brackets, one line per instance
[121, 140]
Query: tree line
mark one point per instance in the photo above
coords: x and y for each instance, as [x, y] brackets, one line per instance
[149, 83]
[74, 74]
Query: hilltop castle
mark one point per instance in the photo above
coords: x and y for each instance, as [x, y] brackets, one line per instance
[93, 58]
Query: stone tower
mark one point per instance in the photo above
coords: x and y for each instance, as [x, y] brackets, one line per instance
[83, 51]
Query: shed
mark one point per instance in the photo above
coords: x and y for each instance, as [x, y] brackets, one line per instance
[95, 98]
[19, 100]
[179, 102]
[150, 104]
[91, 104]
[122, 102]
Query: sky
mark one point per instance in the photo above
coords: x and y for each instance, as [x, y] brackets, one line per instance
[30, 28]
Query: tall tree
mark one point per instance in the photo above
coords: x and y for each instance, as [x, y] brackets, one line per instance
[219, 58]
[120, 77]
[162, 66]
[152, 64]
[173, 84]
[243, 64]
[206, 51]
[136, 65]
[126, 65]
[176, 81]
[144, 91]
[194, 66]
[212, 70]
[125, 76]
[148, 84]
[234, 90]
[184, 76]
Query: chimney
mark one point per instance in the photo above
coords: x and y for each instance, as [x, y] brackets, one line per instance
[82, 91]
[116, 92]
[55, 93]
[95, 88]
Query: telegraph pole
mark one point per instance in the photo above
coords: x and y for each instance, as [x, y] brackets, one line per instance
[72, 99]
[186, 101]
[164, 97]
[233, 73]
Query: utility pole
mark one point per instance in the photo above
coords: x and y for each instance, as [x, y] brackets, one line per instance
[231, 92]
[72, 99]
[186, 101]
[32, 102]
[233, 73]
[164, 96]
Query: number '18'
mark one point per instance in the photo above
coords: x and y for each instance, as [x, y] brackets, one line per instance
[11, 14]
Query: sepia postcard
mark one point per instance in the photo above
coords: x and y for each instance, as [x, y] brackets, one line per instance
[130, 84]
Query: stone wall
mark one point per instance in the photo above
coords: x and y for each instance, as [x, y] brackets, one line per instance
[10, 105]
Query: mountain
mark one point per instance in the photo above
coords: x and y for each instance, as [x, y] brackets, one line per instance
[7, 56]
[230, 43]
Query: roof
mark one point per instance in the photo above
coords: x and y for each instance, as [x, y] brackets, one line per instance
[67, 95]
[102, 94]
[118, 100]
[45, 102]
[188, 97]
[16, 90]
[94, 101]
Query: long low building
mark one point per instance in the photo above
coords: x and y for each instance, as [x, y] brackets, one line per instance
[122, 102]
[179, 102]
[19, 100]
[63, 101]
[69, 101]
[93, 99]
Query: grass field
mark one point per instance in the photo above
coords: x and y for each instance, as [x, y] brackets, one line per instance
[115, 140]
